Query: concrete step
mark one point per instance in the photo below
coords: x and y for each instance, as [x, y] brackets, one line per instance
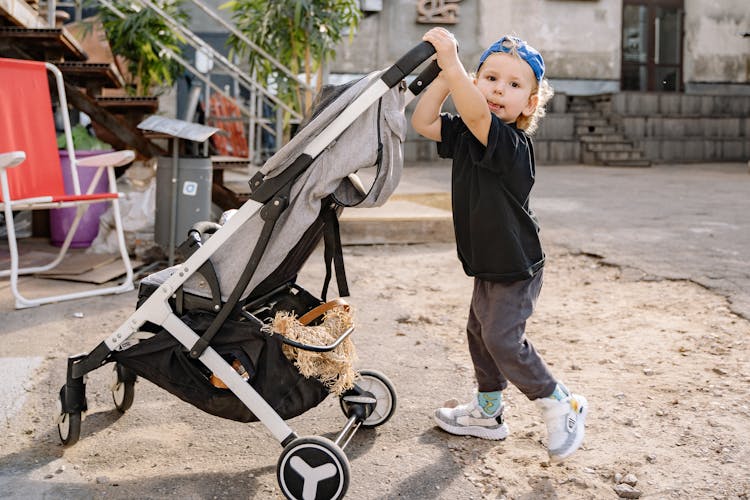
[595, 138]
[610, 146]
[581, 108]
[588, 114]
[595, 129]
[591, 121]
[619, 155]
[627, 163]
[404, 219]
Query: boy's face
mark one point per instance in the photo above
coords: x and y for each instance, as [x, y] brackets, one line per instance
[506, 81]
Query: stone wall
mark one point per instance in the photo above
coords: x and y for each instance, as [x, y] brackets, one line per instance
[686, 128]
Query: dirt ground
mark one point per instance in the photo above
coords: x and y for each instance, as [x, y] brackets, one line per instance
[664, 365]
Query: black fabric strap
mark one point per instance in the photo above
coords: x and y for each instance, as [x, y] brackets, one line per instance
[270, 214]
[333, 253]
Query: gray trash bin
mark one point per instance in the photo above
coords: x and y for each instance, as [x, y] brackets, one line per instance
[193, 197]
[188, 200]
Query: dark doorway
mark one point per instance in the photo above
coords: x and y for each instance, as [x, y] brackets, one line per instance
[652, 37]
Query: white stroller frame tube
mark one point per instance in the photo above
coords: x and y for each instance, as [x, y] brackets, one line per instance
[156, 308]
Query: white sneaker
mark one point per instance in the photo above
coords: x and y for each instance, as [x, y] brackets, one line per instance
[469, 420]
[566, 421]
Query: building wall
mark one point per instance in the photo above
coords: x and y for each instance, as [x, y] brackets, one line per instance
[578, 61]
[579, 39]
[716, 55]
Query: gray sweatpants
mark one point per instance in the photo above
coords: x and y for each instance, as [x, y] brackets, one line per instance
[496, 330]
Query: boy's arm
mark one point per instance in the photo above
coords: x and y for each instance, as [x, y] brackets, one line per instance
[426, 117]
[470, 103]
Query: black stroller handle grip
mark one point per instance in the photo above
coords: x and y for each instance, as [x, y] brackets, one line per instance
[407, 63]
[425, 78]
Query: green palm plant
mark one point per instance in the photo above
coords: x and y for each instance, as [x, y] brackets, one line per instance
[302, 34]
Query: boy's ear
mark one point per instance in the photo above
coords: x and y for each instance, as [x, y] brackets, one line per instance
[531, 105]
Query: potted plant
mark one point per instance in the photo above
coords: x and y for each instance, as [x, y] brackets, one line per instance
[301, 34]
[137, 36]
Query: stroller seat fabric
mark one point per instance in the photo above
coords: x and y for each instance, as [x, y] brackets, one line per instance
[373, 140]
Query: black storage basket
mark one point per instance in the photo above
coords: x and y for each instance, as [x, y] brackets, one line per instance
[162, 360]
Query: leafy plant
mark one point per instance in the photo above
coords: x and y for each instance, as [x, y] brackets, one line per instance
[137, 36]
[302, 34]
[83, 140]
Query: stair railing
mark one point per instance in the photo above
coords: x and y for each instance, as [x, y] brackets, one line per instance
[259, 95]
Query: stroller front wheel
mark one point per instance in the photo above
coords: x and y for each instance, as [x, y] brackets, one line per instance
[373, 384]
[313, 467]
[69, 428]
[123, 387]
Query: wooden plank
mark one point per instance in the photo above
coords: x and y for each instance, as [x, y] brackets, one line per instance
[91, 76]
[43, 43]
[21, 14]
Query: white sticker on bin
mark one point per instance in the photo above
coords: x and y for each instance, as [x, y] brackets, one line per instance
[190, 188]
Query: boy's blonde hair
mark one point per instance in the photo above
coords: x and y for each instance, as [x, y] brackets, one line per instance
[544, 92]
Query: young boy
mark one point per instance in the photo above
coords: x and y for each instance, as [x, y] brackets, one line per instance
[496, 233]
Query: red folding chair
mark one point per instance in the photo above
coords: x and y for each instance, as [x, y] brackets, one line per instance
[31, 176]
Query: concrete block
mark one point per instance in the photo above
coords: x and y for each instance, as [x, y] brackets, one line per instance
[690, 105]
[692, 150]
[564, 151]
[692, 127]
[711, 150]
[558, 104]
[721, 127]
[645, 104]
[650, 147]
[670, 104]
[733, 150]
[707, 105]
[541, 150]
[655, 126]
[634, 126]
[671, 150]
[619, 103]
[676, 126]
[419, 150]
[556, 126]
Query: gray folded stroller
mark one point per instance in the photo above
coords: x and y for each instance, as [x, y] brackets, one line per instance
[205, 317]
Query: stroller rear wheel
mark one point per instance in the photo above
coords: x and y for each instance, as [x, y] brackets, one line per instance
[123, 387]
[313, 467]
[372, 384]
[69, 428]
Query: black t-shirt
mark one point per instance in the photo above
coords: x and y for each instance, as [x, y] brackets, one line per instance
[497, 235]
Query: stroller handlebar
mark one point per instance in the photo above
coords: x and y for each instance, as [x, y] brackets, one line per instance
[408, 63]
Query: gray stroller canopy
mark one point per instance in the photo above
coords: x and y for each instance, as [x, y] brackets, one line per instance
[372, 141]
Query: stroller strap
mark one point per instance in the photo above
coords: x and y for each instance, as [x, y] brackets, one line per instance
[270, 214]
[333, 252]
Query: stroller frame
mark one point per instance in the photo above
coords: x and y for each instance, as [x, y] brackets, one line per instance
[269, 197]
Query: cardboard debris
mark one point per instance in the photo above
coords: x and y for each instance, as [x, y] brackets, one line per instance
[99, 275]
